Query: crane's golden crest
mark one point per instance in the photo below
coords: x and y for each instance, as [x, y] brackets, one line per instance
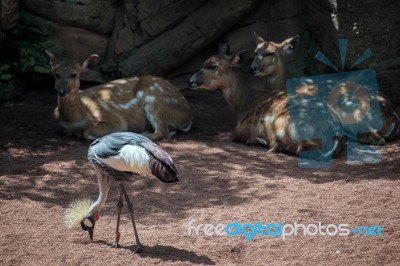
[76, 212]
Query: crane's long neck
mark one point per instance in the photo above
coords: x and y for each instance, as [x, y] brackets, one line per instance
[104, 187]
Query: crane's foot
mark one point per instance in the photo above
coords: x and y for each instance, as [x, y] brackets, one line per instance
[138, 249]
[117, 236]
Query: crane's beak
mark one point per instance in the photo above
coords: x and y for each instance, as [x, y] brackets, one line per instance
[88, 225]
[90, 230]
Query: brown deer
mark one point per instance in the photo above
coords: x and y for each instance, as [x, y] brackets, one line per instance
[148, 105]
[269, 63]
[264, 121]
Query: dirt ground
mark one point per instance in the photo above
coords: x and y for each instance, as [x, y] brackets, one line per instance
[41, 171]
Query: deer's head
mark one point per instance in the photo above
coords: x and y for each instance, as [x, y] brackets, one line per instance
[216, 70]
[67, 74]
[269, 55]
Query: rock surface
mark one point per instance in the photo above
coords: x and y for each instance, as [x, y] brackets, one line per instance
[174, 37]
[8, 14]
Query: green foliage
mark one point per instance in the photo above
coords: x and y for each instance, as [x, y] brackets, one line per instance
[24, 48]
[22, 57]
[4, 72]
[10, 89]
[6, 76]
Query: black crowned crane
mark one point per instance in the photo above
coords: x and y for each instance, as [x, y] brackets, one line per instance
[121, 156]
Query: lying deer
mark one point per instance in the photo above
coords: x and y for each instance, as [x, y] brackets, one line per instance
[269, 63]
[136, 104]
[264, 121]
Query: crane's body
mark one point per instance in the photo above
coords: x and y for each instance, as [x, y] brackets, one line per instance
[121, 156]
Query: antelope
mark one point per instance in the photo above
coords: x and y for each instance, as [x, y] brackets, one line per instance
[264, 121]
[269, 64]
[146, 104]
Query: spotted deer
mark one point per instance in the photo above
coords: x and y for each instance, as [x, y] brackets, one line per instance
[269, 64]
[148, 105]
[264, 121]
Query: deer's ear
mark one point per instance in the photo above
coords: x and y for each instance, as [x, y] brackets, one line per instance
[259, 39]
[287, 46]
[238, 58]
[53, 59]
[91, 60]
[224, 49]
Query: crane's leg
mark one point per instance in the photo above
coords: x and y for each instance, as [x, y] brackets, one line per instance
[139, 246]
[119, 205]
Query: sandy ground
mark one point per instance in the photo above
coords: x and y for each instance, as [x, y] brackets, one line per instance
[41, 171]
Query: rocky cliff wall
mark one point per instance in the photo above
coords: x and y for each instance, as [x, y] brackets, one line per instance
[175, 36]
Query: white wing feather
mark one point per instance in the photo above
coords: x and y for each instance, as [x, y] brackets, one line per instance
[131, 158]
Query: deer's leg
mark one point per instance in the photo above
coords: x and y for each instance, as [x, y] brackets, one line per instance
[372, 138]
[390, 129]
[160, 128]
[114, 124]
